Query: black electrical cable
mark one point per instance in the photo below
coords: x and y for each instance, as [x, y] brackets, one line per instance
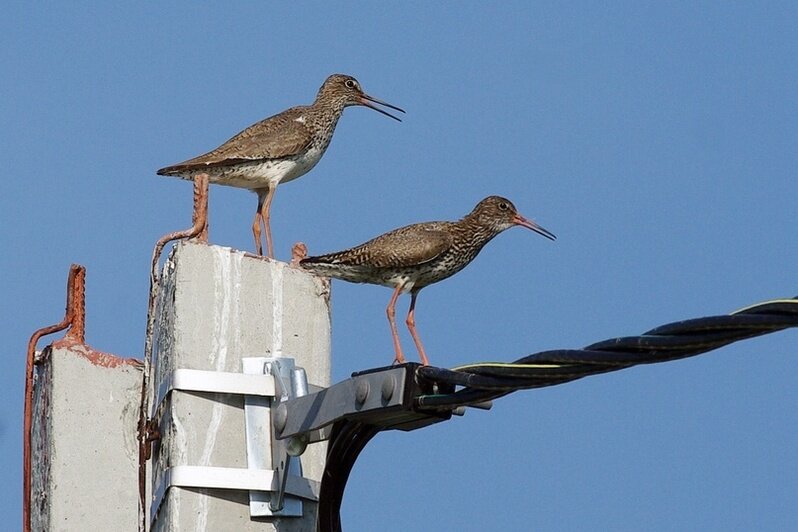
[488, 380]
[347, 440]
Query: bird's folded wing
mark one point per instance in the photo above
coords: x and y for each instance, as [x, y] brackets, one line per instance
[411, 246]
[280, 136]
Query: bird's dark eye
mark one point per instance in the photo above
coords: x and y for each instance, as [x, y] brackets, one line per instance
[350, 84]
[503, 206]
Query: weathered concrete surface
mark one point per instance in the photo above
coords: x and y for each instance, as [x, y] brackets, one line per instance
[84, 454]
[216, 306]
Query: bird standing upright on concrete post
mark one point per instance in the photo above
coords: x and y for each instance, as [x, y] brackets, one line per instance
[279, 149]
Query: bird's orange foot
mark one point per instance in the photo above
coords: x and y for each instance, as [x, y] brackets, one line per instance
[298, 252]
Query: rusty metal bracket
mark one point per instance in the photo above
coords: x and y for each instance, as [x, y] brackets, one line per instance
[198, 230]
[75, 319]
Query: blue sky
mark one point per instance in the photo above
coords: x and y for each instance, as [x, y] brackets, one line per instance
[658, 142]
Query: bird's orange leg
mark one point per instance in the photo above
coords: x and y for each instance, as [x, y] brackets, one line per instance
[391, 311]
[264, 213]
[256, 223]
[256, 233]
[411, 326]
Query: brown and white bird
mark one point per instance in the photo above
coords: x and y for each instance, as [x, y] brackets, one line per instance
[279, 149]
[418, 255]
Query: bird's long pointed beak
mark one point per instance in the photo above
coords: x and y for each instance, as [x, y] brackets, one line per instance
[529, 224]
[365, 100]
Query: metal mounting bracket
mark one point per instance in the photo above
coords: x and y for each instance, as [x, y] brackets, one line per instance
[273, 479]
[382, 397]
[261, 414]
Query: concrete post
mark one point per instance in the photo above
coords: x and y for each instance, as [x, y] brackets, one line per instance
[217, 306]
[84, 451]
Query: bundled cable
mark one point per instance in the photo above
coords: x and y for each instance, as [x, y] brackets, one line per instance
[489, 380]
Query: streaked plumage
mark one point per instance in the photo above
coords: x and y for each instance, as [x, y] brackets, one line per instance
[418, 255]
[278, 149]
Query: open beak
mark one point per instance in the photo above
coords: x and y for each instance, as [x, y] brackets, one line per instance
[365, 100]
[529, 224]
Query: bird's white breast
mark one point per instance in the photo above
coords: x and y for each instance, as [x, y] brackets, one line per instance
[300, 165]
[259, 174]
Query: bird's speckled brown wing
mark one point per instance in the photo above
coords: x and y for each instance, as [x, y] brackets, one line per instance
[272, 138]
[407, 246]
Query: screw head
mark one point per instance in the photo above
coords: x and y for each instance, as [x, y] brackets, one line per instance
[361, 391]
[280, 418]
[388, 387]
[296, 446]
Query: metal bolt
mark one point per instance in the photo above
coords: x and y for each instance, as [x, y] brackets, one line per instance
[361, 391]
[296, 445]
[280, 418]
[388, 386]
